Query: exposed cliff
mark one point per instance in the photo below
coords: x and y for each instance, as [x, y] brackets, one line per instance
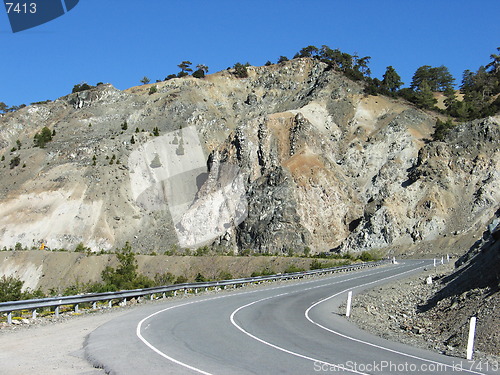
[295, 156]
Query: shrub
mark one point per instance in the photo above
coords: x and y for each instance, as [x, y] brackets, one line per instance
[181, 280]
[225, 275]
[240, 70]
[153, 90]
[366, 257]
[11, 290]
[199, 73]
[441, 129]
[82, 87]
[125, 276]
[282, 59]
[204, 250]
[80, 248]
[43, 137]
[14, 162]
[316, 265]
[293, 268]
[164, 279]
[200, 278]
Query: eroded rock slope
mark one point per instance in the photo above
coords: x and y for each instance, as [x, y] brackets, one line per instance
[293, 157]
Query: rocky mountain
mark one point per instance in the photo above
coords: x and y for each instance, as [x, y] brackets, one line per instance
[293, 157]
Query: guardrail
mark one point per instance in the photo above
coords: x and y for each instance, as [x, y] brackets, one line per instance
[124, 295]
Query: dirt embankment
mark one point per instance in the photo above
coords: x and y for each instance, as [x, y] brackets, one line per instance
[59, 270]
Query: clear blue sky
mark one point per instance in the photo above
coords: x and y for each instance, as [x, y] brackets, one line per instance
[121, 41]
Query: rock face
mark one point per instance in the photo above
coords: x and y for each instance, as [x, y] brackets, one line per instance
[295, 156]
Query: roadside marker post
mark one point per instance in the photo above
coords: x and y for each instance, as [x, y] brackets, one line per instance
[472, 333]
[349, 300]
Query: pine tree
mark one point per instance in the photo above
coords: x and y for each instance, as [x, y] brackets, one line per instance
[392, 80]
[425, 98]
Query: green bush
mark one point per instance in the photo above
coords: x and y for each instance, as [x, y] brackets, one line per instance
[200, 278]
[80, 248]
[366, 257]
[199, 73]
[82, 87]
[441, 129]
[204, 250]
[164, 279]
[316, 265]
[181, 280]
[125, 276]
[43, 137]
[240, 70]
[14, 162]
[11, 290]
[263, 272]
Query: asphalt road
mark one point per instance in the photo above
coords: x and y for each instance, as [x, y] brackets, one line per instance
[291, 328]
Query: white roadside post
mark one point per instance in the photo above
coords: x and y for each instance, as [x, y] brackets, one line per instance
[434, 262]
[472, 333]
[447, 258]
[348, 308]
[442, 260]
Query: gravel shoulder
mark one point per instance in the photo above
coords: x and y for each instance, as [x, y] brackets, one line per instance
[50, 347]
[392, 311]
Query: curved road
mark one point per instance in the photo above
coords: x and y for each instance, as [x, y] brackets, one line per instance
[295, 328]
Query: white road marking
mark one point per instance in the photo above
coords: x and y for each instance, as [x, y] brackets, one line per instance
[178, 362]
[374, 345]
[233, 322]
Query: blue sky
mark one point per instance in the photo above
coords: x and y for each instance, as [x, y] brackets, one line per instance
[121, 41]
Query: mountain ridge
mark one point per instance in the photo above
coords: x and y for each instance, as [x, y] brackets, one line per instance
[304, 156]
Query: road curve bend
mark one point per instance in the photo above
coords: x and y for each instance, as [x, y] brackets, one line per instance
[280, 328]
